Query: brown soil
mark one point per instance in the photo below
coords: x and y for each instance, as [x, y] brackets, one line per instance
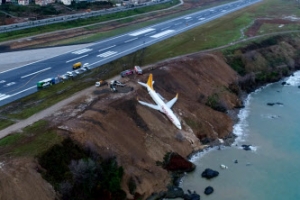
[114, 124]
[20, 180]
[253, 29]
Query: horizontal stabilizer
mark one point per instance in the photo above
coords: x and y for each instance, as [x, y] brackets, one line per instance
[143, 84]
[171, 102]
[156, 107]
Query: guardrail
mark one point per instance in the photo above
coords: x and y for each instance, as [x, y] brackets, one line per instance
[65, 18]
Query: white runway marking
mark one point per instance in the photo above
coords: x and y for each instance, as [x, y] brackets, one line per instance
[36, 72]
[3, 96]
[188, 18]
[142, 32]
[2, 81]
[76, 58]
[130, 40]
[9, 84]
[23, 91]
[106, 54]
[81, 51]
[162, 34]
[149, 33]
[201, 19]
[165, 28]
[107, 48]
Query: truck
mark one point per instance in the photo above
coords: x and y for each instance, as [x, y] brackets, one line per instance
[77, 65]
[45, 83]
[138, 70]
[100, 83]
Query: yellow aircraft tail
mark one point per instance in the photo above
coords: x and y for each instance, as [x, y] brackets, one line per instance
[150, 81]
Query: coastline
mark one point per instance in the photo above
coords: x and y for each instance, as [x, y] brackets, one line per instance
[235, 137]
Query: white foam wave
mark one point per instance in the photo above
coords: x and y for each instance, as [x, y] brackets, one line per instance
[240, 128]
[200, 154]
[294, 80]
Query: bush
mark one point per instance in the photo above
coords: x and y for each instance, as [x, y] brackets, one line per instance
[78, 174]
[131, 185]
[214, 102]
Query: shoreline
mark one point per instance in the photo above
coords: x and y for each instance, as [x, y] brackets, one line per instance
[227, 142]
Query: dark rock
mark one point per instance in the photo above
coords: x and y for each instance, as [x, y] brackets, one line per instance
[236, 161]
[270, 104]
[191, 196]
[205, 140]
[298, 86]
[176, 163]
[174, 192]
[208, 190]
[246, 147]
[283, 83]
[209, 173]
[156, 196]
[279, 103]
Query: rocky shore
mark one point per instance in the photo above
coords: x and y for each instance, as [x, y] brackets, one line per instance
[250, 79]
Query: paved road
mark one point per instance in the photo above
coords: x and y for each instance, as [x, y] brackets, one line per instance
[21, 81]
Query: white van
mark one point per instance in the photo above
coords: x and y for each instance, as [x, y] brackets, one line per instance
[138, 70]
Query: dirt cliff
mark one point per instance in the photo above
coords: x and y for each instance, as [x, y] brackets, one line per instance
[114, 124]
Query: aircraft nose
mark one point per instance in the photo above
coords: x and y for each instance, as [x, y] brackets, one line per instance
[178, 126]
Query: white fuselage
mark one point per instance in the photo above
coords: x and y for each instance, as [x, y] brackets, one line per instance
[164, 108]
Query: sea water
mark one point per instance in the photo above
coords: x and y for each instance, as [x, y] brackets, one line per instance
[271, 170]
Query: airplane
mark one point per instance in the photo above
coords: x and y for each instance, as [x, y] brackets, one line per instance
[161, 105]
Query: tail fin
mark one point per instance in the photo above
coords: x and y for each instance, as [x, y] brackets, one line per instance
[150, 81]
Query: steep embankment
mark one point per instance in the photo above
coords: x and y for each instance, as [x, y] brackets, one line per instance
[114, 124]
[266, 61]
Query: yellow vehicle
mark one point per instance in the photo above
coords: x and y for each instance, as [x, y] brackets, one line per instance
[77, 65]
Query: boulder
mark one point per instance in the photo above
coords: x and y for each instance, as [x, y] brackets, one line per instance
[209, 173]
[191, 196]
[270, 104]
[174, 192]
[176, 163]
[283, 83]
[208, 190]
[246, 147]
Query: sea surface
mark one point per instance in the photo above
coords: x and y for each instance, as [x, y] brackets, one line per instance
[271, 170]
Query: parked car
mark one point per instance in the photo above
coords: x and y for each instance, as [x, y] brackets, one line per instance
[126, 72]
[71, 74]
[65, 76]
[138, 70]
[86, 66]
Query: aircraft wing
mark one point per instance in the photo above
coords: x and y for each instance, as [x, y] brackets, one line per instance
[156, 107]
[171, 102]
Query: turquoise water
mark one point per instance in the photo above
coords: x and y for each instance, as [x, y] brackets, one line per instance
[271, 171]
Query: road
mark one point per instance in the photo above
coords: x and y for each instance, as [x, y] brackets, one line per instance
[21, 81]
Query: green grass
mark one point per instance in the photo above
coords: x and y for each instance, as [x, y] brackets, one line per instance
[216, 33]
[267, 28]
[82, 22]
[10, 139]
[32, 141]
[38, 144]
[5, 123]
